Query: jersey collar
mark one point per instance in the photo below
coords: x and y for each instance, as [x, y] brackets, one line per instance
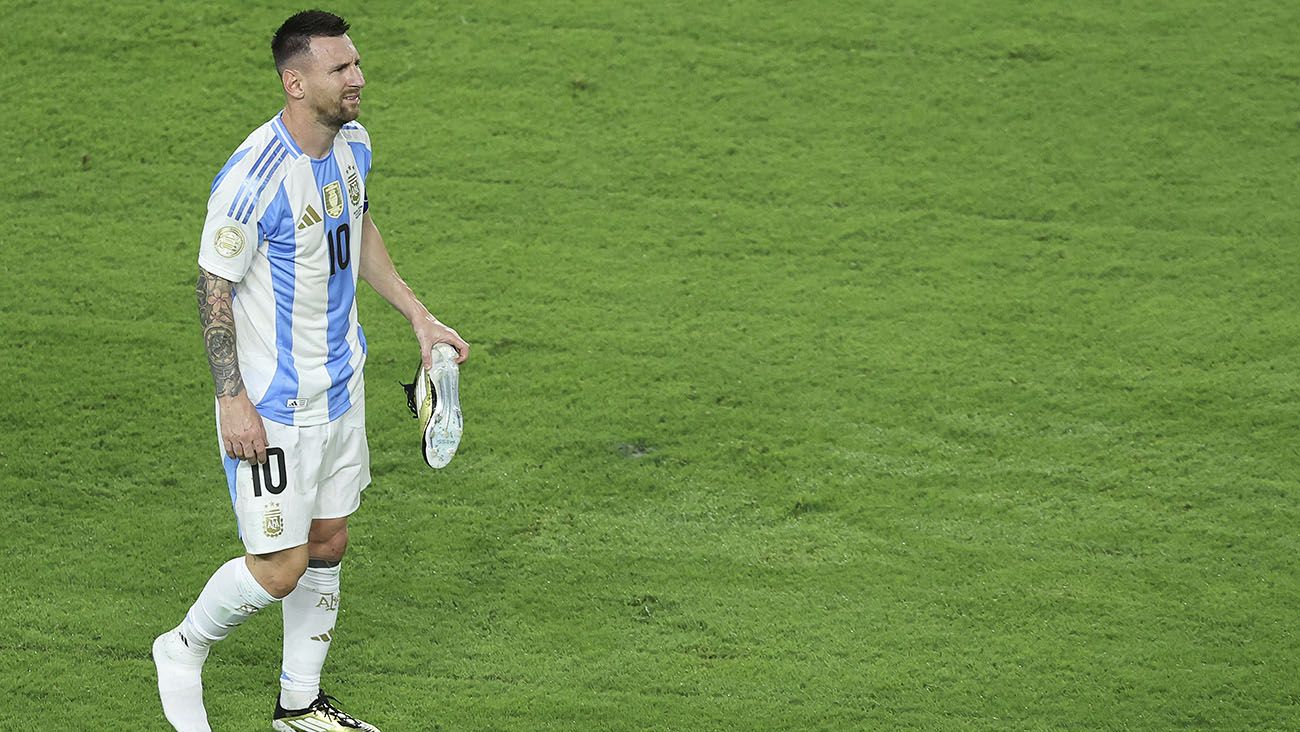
[282, 132]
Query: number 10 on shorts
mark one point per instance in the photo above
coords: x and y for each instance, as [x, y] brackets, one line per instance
[271, 474]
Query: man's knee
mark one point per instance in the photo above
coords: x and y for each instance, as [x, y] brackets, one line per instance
[278, 572]
[328, 540]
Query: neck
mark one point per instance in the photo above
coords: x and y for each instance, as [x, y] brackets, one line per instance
[314, 137]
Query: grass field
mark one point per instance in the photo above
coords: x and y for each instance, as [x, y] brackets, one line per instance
[838, 366]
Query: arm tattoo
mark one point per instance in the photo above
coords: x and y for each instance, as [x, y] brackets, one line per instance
[218, 320]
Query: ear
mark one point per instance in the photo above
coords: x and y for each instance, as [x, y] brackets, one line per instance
[292, 82]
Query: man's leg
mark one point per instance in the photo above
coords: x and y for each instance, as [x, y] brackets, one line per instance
[312, 609]
[310, 612]
[234, 593]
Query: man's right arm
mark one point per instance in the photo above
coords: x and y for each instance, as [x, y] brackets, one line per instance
[242, 433]
[217, 316]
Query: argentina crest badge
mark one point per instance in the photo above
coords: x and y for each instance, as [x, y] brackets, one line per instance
[354, 185]
[272, 521]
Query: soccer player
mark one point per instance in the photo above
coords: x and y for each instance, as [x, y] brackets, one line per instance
[288, 233]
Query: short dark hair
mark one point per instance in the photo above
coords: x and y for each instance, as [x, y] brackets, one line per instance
[294, 36]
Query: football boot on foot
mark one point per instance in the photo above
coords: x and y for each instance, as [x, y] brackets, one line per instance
[321, 716]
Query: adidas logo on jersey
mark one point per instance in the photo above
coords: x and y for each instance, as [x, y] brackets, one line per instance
[309, 218]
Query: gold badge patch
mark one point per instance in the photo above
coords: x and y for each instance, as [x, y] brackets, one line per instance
[354, 186]
[333, 199]
[229, 241]
[272, 521]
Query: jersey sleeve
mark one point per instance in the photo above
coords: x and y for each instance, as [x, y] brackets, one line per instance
[230, 235]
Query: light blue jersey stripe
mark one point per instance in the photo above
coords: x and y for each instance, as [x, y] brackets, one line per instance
[341, 291]
[281, 255]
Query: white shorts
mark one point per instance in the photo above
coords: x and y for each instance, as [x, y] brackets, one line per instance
[312, 472]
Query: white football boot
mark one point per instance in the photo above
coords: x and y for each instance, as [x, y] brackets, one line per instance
[434, 400]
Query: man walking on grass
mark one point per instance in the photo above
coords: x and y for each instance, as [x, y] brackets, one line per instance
[288, 233]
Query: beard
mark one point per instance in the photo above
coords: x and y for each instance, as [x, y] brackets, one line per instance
[339, 116]
[336, 112]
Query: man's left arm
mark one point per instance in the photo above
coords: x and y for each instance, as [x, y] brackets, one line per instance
[377, 269]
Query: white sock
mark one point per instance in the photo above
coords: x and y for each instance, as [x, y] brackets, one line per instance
[229, 598]
[309, 615]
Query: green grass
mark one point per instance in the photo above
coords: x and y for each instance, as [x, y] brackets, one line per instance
[837, 366]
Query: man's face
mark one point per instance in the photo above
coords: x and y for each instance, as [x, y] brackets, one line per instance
[332, 79]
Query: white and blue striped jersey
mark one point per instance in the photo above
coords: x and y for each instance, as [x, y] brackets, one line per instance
[286, 229]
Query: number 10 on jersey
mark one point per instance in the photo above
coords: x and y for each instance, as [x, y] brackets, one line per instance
[339, 241]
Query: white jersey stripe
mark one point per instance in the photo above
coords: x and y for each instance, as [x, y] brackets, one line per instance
[280, 257]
